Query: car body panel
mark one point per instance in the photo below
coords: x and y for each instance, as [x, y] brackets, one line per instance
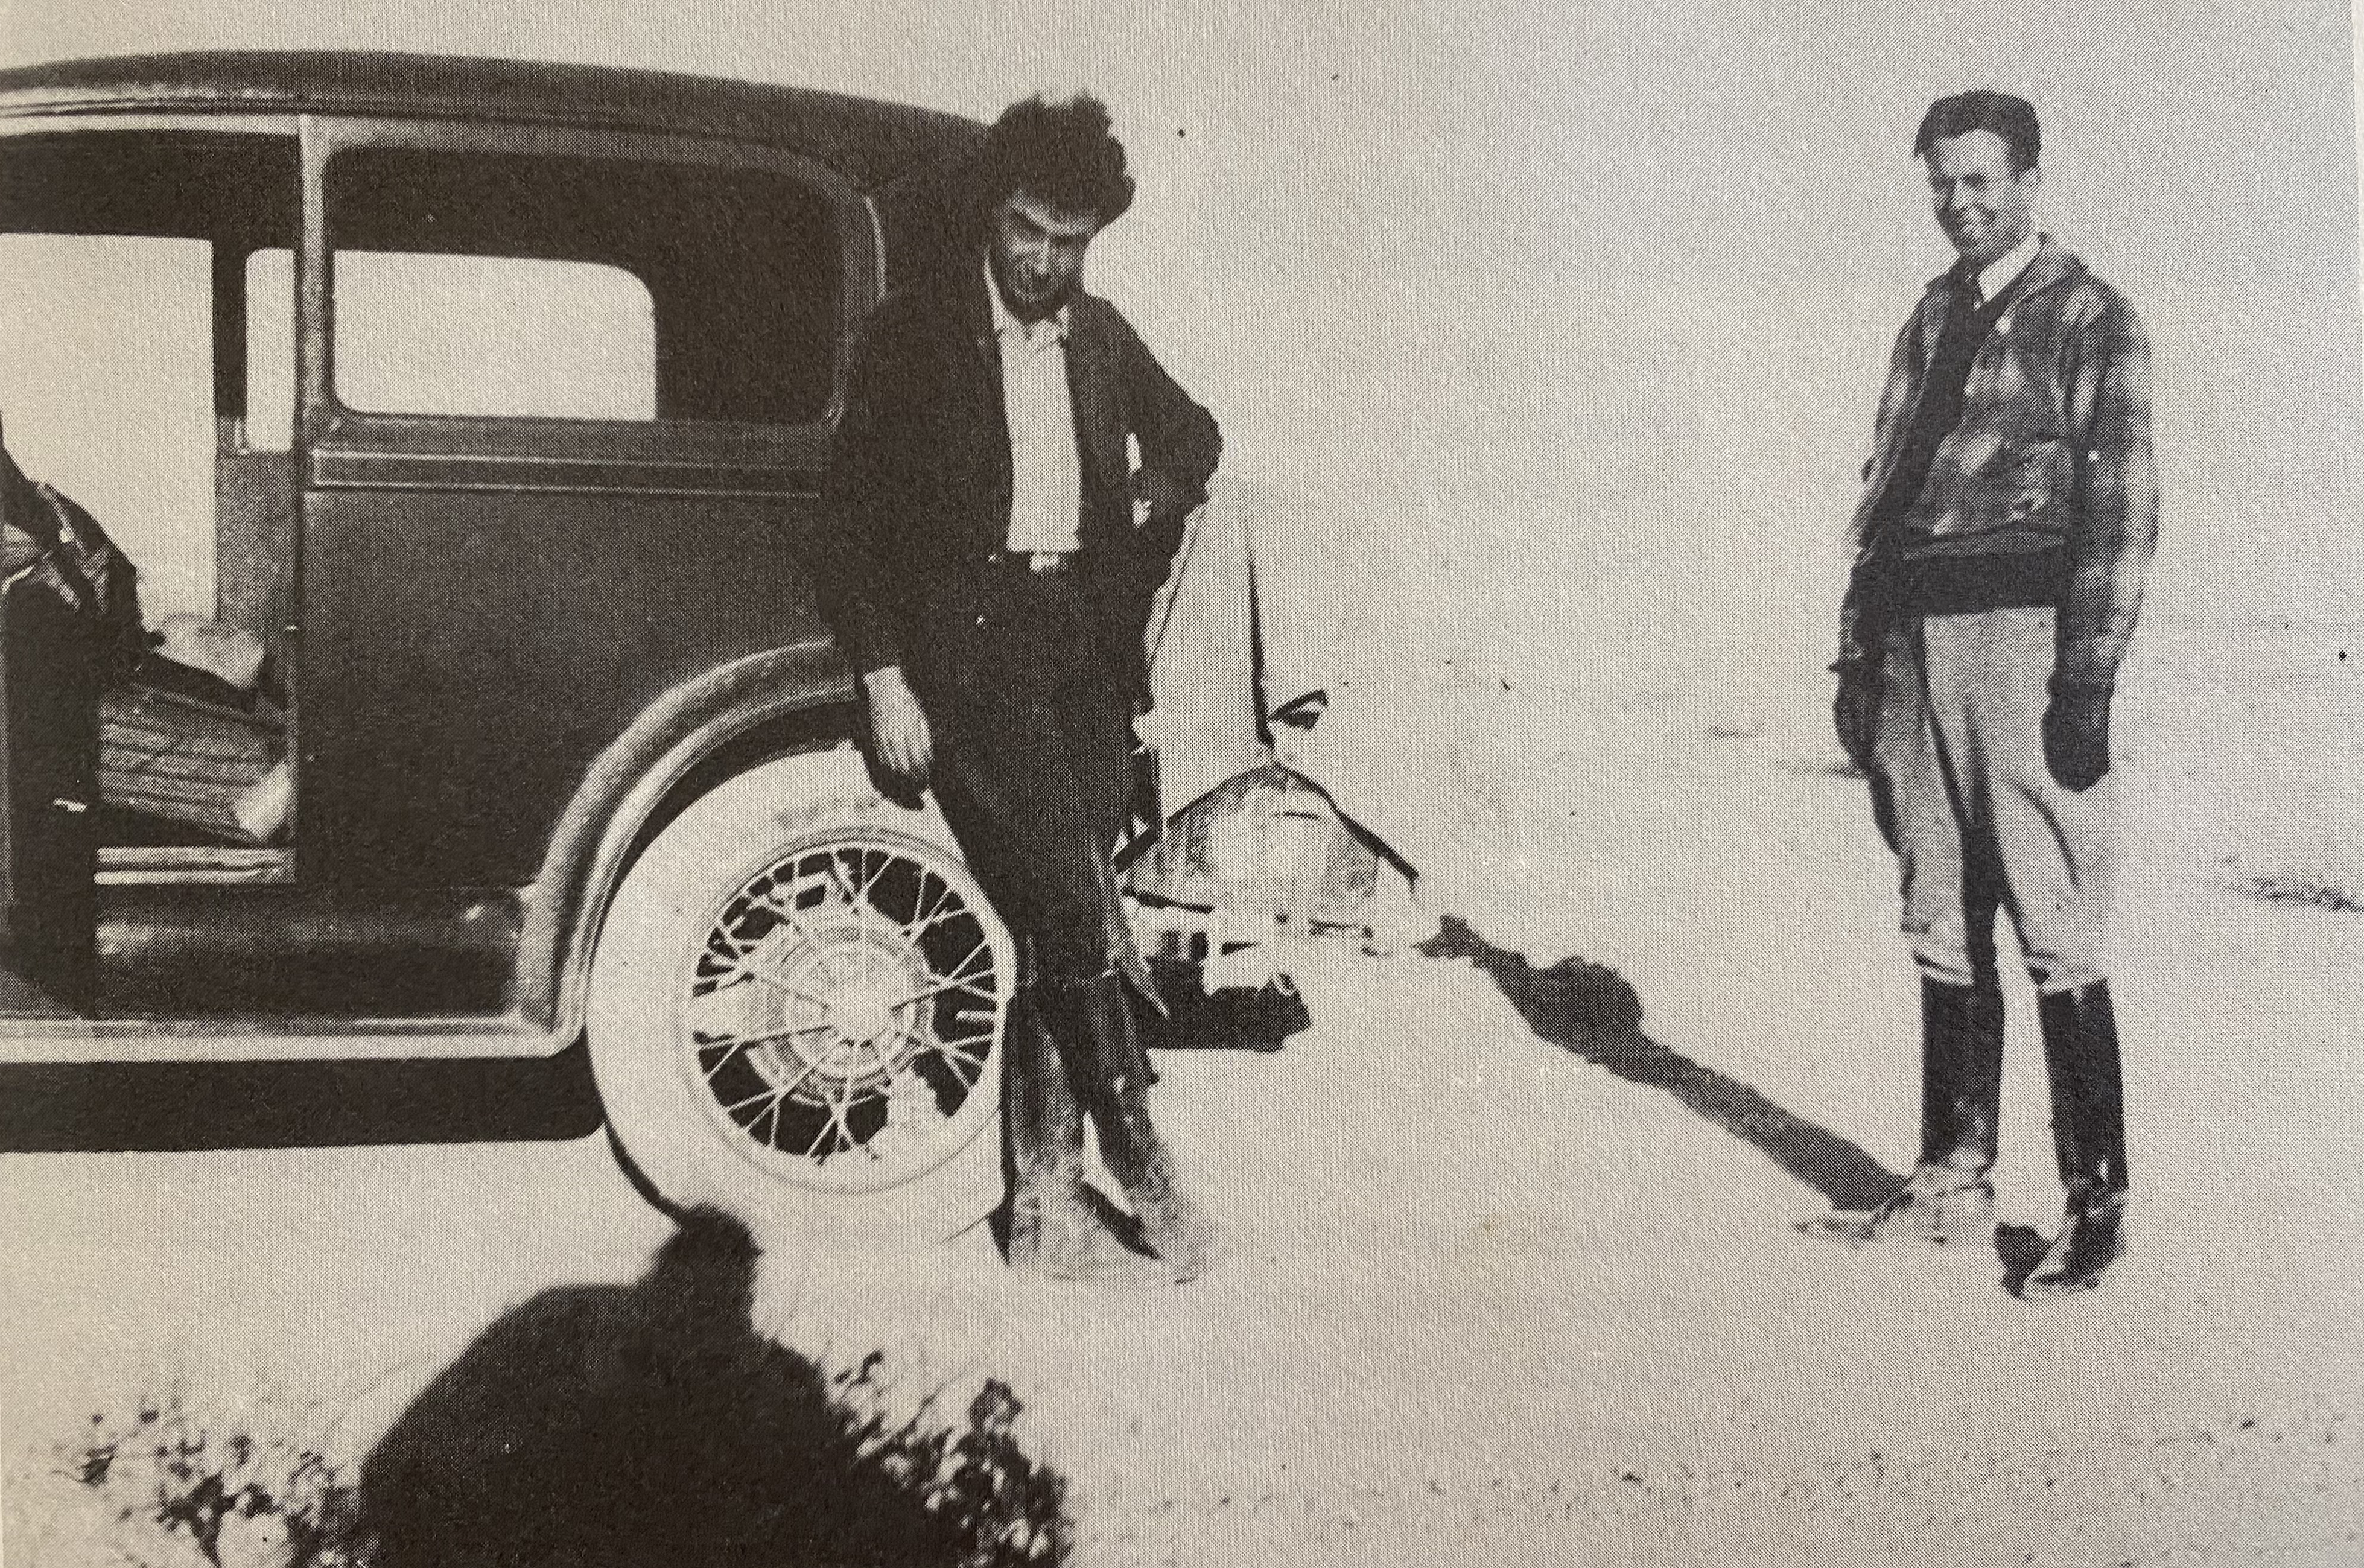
[512, 640]
[870, 143]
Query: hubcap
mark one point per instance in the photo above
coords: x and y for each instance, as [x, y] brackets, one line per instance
[841, 1010]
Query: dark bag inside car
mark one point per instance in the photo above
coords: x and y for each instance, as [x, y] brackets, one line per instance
[68, 556]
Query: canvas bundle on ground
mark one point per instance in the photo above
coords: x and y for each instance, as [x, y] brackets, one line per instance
[1266, 846]
[1251, 855]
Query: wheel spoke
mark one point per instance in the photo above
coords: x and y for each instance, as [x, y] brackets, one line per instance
[960, 971]
[821, 1008]
[775, 1093]
[842, 1114]
[738, 960]
[835, 860]
[970, 1065]
[766, 1095]
[838, 1129]
[950, 1044]
[770, 1139]
[767, 976]
[858, 902]
[976, 985]
[916, 933]
[740, 1045]
[884, 861]
[921, 918]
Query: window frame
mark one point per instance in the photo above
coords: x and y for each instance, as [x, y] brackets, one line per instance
[286, 128]
[352, 447]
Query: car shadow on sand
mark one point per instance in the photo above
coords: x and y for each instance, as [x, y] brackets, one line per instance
[651, 1423]
[1593, 1011]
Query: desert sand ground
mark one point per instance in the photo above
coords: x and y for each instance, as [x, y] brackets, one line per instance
[1498, 1298]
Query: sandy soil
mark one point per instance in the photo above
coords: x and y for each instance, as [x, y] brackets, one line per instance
[1494, 1298]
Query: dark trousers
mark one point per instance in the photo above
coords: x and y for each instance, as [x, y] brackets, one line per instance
[1031, 724]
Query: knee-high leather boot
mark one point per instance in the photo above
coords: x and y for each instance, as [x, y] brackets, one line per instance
[1948, 1197]
[1055, 1228]
[1961, 1076]
[1092, 1021]
[2089, 1134]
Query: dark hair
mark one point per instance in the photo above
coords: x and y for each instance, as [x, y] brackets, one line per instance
[2014, 120]
[1061, 153]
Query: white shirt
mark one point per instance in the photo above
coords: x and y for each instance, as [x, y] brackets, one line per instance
[2003, 270]
[1046, 498]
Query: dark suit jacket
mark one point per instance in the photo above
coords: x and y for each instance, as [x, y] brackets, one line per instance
[919, 487]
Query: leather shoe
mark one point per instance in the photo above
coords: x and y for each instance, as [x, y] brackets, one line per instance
[1936, 1205]
[2092, 1237]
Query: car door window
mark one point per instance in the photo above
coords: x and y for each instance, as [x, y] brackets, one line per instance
[494, 337]
[489, 284]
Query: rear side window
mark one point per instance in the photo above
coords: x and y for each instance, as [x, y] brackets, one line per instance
[494, 336]
[506, 285]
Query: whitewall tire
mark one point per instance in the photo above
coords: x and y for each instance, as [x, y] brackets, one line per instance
[797, 1008]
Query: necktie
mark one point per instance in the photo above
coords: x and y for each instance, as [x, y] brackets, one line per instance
[1939, 408]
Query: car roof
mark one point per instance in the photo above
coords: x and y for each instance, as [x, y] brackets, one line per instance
[867, 141]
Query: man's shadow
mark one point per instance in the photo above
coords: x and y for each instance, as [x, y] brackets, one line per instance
[650, 1423]
[1593, 1011]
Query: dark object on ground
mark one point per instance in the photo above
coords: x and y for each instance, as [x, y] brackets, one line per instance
[1591, 1010]
[2019, 1248]
[646, 1424]
[1262, 1020]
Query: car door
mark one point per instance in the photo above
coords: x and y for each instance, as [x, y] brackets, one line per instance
[48, 754]
[123, 374]
[564, 437]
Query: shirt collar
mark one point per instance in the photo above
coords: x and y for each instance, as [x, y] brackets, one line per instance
[2004, 269]
[1006, 324]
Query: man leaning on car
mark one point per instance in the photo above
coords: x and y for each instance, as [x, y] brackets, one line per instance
[988, 579]
[2007, 519]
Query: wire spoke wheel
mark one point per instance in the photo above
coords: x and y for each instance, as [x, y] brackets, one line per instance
[840, 1011]
[796, 1006]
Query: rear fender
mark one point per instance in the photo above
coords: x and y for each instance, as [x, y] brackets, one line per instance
[783, 699]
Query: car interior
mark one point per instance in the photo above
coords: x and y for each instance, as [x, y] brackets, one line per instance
[146, 376]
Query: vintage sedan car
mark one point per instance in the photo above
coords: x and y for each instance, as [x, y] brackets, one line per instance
[466, 421]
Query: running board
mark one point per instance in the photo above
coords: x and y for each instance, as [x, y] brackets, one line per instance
[168, 1106]
[151, 1040]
